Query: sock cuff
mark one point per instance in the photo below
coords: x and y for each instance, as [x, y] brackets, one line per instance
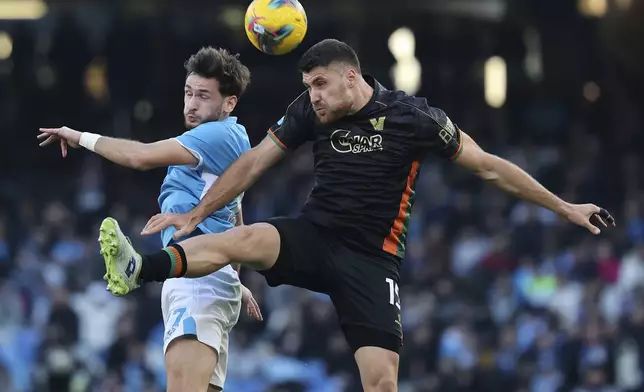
[177, 260]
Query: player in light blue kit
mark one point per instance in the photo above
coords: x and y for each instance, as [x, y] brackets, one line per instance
[198, 314]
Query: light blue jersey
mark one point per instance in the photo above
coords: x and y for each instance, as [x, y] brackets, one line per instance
[216, 145]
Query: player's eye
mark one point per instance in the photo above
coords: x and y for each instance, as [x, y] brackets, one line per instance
[188, 94]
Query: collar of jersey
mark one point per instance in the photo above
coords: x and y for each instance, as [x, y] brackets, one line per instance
[377, 89]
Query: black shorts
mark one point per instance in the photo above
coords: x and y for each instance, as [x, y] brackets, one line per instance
[363, 287]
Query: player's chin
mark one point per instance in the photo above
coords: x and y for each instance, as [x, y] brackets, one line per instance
[324, 117]
[191, 124]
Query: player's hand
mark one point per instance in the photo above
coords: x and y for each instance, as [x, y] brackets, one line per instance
[65, 136]
[184, 223]
[251, 304]
[590, 216]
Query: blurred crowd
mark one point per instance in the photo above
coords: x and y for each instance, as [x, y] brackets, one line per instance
[497, 295]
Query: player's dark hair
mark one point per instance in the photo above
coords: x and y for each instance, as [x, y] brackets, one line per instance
[326, 52]
[219, 64]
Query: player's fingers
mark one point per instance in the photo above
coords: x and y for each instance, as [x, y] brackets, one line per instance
[154, 228]
[183, 231]
[606, 216]
[157, 223]
[51, 131]
[63, 147]
[256, 309]
[601, 221]
[155, 218]
[253, 309]
[48, 141]
[150, 222]
[43, 135]
[593, 229]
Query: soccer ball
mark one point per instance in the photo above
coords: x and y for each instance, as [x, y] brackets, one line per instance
[275, 26]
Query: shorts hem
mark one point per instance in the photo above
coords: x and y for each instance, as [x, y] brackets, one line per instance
[214, 343]
[371, 326]
[359, 336]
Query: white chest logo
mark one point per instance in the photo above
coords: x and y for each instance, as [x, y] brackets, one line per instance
[343, 142]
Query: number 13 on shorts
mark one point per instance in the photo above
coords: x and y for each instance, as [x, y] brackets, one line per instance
[394, 297]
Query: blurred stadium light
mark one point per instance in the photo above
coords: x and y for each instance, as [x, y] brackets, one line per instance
[593, 8]
[406, 73]
[591, 91]
[533, 61]
[496, 81]
[22, 9]
[6, 45]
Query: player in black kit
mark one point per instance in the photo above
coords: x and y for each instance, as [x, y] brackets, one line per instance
[349, 240]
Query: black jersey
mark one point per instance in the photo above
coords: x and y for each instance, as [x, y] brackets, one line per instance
[366, 164]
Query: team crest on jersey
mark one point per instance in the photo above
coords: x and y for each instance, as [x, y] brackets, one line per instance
[343, 142]
[378, 123]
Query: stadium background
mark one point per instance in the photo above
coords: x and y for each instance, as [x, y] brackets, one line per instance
[497, 295]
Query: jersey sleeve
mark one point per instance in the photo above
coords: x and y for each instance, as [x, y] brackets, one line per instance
[295, 127]
[437, 134]
[215, 145]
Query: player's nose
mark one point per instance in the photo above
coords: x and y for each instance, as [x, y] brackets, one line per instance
[315, 97]
[191, 104]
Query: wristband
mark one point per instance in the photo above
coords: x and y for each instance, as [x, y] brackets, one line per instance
[88, 140]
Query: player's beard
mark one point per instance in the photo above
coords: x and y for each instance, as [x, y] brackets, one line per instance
[336, 114]
[216, 115]
[340, 110]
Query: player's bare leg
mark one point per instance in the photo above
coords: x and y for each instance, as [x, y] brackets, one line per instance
[189, 365]
[378, 369]
[256, 246]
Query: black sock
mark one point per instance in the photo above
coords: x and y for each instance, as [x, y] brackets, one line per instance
[167, 263]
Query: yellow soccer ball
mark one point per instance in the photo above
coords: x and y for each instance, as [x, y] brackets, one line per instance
[275, 26]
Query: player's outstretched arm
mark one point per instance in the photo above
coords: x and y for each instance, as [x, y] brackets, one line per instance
[512, 179]
[235, 180]
[128, 153]
[238, 177]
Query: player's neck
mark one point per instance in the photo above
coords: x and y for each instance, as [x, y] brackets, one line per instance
[363, 94]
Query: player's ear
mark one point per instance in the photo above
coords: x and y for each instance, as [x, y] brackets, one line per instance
[352, 77]
[229, 103]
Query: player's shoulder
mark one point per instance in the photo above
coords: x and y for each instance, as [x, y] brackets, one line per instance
[418, 107]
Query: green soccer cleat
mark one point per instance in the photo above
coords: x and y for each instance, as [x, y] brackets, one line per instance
[122, 263]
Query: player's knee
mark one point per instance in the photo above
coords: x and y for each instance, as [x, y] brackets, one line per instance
[381, 383]
[380, 378]
[378, 368]
[256, 245]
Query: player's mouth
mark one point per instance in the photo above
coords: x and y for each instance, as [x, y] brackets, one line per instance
[192, 119]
